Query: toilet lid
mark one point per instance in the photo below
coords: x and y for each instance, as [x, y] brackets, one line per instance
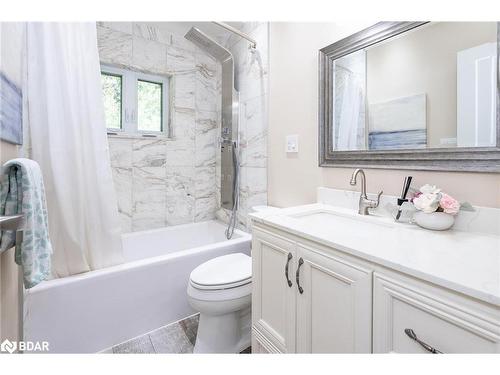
[227, 271]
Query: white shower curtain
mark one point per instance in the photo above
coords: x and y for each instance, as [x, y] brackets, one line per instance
[352, 105]
[68, 140]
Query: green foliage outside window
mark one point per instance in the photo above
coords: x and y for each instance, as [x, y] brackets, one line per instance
[112, 96]
[149, 101]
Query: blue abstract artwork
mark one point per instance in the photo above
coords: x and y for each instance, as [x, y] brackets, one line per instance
[404, 139]
[398, 123]
[11, 111]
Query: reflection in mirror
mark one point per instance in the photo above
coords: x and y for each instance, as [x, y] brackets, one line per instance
[350, 95]
[432, 87]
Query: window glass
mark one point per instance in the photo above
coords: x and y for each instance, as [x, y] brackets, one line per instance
[134, 102]
[112, 96]
[149, 102]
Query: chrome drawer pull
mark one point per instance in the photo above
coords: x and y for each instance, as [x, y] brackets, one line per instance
[297, 276]
[286, 270]
[412, 335]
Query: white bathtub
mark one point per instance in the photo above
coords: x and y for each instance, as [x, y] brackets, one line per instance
[91, 312]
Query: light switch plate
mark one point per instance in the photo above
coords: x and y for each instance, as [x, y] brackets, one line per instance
[292, 143]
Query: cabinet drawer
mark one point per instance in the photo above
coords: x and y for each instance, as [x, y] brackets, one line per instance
[442, 321]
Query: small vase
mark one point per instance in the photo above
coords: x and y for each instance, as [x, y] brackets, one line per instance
[434, 220]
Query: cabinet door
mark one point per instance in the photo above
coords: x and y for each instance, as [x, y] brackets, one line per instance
[334, 311]
[443, 321]
[273, 299]
[258, 348]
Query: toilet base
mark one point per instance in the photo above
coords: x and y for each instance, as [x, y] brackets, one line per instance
[227, 333]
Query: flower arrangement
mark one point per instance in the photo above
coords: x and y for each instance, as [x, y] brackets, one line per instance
[430, 199]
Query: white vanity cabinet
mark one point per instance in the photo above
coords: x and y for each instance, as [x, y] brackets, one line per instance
[324, 306]
[331, 300]
[442, 320]
[273, 300]
[334, 309]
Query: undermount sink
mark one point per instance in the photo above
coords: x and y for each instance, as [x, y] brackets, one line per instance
[338, 220]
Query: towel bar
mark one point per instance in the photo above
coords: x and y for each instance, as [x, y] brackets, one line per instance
[14, 222]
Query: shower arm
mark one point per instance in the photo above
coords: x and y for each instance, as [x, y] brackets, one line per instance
[253, 43]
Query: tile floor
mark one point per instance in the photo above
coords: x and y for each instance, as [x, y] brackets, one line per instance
[175, 338]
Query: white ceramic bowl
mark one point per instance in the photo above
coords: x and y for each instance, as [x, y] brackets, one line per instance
[434, 220]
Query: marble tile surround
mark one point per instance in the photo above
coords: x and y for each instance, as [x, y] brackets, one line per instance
[189, 188]
[251, 80]
[166, 181]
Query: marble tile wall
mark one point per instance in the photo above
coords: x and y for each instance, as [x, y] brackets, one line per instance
[166, 181]
[251, 80]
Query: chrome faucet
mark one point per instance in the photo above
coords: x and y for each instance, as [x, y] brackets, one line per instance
[364, 202]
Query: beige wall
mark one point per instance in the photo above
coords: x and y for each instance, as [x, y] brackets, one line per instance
[425, 62]
[11, 48]
[9, 272]
[293, 109]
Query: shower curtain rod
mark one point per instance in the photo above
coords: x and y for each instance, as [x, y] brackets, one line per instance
[253, 43]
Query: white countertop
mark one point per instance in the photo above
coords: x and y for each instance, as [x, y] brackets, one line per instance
[466, 262]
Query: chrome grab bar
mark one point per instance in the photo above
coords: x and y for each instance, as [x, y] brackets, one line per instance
[13, 222]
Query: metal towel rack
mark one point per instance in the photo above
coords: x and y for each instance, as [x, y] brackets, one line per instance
[13, 222]
[16, 222]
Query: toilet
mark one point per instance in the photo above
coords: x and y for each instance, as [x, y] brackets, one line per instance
[221, 290]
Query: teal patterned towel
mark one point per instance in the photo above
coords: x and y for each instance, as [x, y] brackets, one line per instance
[22, 191]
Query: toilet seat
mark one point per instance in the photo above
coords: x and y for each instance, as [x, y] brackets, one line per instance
[224, 272]
[221, 286]
[220, 295]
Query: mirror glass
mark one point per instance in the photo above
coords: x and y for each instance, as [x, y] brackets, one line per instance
[434, 86]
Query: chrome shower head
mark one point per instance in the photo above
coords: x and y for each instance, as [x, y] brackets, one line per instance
[206, 43]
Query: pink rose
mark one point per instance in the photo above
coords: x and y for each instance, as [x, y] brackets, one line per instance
[415, 195]
[449, 205]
